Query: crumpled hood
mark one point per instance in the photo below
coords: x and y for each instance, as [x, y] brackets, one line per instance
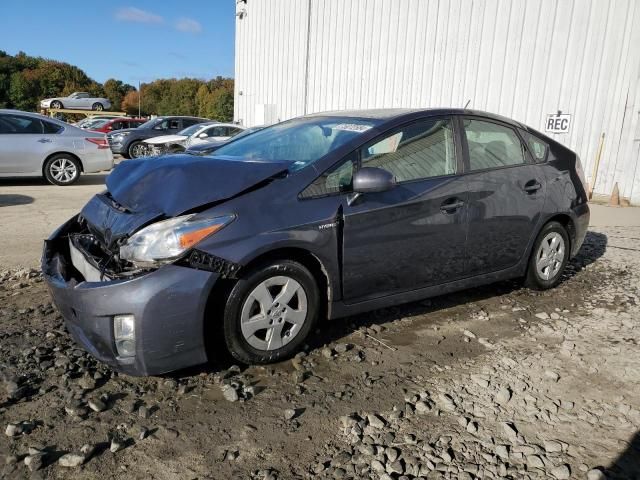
[175, 184]
[166, 139]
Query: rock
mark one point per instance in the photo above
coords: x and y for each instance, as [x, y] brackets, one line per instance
[144, 412]
[13, 430]
[510, 430]
[542, 315]
[87, 450]
[395, 467]
[10, 459]
[469, 333]
[377, 466]
[596, 474]
[289, 414]
[342, 347]
[87, 383]
[503, 452]
[116, 445]
[71, 460]
[423, 407]
[503, 396]
[34, 462]
[552, 375]
[447, 402]
[230, 393]
[376, 421]
[534, 461]
[561, 472]
[552, 446]
[392, 454]
[327, 353]
[480, 380]
[96, 405]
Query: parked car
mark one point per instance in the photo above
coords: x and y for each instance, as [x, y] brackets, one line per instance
[328, 214]
[106, 125]
[193, 135]
[129, 142]
[32, 145]
[210, 146]
[77, 101]
[92, 118]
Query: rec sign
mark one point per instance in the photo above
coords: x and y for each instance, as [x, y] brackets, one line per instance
[558, 122]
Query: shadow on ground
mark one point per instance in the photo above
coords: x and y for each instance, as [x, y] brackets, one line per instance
[89, 179]
[594, 247]
[9, 200]
[627, 465]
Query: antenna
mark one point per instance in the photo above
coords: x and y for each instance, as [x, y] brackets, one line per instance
[467, 104]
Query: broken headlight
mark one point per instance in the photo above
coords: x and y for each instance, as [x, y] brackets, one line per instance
[164, 241]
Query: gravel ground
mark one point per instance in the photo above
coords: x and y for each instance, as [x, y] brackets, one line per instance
[494, 382]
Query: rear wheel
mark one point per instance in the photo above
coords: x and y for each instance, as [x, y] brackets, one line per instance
[270, 312]
[97, 107]
[56, 104]
[62, 169]
[549, 257]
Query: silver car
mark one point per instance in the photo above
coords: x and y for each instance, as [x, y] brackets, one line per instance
[77, 101]
[32, 145]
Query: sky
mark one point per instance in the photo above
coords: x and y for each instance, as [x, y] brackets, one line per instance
[132, 41]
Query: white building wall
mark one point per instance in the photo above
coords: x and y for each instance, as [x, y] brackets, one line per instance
[523, 59]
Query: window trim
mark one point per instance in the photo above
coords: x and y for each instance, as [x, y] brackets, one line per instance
[457, 147]
[465, 145]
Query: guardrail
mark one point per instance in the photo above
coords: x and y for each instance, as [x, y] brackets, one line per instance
[87, 113]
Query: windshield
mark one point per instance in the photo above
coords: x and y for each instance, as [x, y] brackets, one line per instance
[98, 123]
[301, 140]
[150, 123]
[190, 130]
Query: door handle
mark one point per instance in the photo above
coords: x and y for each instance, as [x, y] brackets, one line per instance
[532, 186]
[44, 140]
[450, 207]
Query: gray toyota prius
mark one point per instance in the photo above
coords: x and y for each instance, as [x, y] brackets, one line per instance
[318, 217]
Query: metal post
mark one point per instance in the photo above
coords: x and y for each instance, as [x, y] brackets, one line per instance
[139, 97]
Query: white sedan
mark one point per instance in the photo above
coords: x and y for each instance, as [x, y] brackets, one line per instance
[193, 135]
[32, 145]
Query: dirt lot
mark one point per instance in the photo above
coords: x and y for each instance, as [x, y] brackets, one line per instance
[496, 382]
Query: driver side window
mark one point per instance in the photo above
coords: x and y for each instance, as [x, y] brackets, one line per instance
[338, 179]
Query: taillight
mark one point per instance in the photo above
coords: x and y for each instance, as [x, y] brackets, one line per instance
[580, 173]
[100, 142]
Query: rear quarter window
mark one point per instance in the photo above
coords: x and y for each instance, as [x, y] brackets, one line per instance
[537, 147]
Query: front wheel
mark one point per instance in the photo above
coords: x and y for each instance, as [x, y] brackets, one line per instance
[56, 105]
[549, 257]
[270, 312]
[62, 169]
[137, 150]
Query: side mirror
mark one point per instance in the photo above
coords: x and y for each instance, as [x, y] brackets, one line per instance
[371, 180]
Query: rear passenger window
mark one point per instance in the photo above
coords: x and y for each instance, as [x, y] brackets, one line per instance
[492, 145]
[537, 147]
[421, 150]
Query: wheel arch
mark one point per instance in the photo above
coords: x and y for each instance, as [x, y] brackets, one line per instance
[217, 297]
[567, 222]
[73, 155]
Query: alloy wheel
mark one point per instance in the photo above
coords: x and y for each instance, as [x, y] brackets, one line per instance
[550, 256]
[139, 150]
[63, 170]
[273, 313]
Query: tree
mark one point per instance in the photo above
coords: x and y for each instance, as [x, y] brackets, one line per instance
[115, 91]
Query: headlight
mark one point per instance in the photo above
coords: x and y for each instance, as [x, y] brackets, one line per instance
[120, 136]
[164, 241]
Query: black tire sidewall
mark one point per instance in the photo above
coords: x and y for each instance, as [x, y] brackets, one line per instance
[234, 340]
[53, 181]
[59, 105]
[533, 279]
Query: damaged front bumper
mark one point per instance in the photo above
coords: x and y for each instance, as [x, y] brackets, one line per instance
[168, 304]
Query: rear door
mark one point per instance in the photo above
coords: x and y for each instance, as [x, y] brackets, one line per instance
[413, 235]
[506, 194]
[24, 143]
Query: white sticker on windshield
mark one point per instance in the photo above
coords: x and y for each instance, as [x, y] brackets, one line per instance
[352, 127]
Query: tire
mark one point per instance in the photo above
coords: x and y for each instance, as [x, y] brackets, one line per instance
[56, 104]
[549, 257]
[136, 150]
[62, 169]
[283, 339]
[98, 107]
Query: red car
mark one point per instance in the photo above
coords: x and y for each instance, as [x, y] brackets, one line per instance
[106, 125]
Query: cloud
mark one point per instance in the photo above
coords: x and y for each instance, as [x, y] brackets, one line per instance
[188, 25]
[132, 14]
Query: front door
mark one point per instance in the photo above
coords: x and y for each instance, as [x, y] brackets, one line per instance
[413, 235]
[506, 195]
